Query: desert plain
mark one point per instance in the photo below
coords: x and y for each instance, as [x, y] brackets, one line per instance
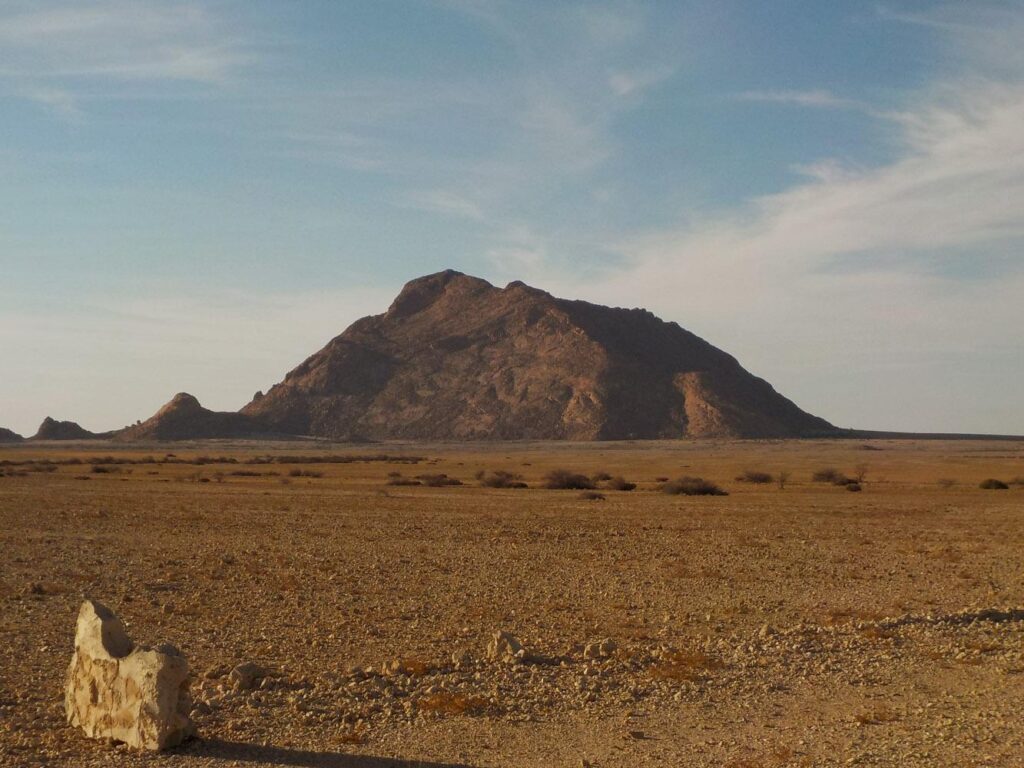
[802, 625]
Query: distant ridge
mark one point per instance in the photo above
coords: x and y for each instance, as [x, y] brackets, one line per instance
[51, 429]
[183, 418]
[10, 436]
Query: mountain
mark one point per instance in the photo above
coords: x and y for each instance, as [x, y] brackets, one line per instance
[9, 436]
[183, 418]
[456, 358]
[51, 429]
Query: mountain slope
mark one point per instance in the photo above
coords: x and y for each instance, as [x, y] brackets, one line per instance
[457, 358]
[9, 436]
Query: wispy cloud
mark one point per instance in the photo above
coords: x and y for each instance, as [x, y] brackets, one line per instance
[898, 265]
[813, 98]
[117, 40]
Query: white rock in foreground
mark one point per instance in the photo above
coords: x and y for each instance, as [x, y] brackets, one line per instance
[127, 693]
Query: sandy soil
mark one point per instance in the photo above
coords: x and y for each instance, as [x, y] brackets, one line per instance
[804, 626]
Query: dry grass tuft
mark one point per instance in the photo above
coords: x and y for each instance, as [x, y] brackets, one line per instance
[567, 480]
[692, 486]
[445, 703]
[684, 666]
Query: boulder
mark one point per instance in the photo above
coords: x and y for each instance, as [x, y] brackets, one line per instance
[117, 690]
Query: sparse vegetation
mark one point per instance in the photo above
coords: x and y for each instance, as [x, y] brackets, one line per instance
[296, 472]
[447, 703]
[566, 480]
[781, 479]
[592, 496]
[396, 478]
[992, 484]
[619, 484]
[692, 486]
[829, 475]
[757, 478]
[500, 478]
[438, 481]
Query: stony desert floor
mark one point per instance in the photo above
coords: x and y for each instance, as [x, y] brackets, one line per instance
[804, 626]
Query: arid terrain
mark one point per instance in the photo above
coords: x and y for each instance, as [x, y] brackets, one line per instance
[796, 626]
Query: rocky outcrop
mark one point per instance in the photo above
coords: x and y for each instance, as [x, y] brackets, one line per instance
[183, 418]
[116, 690]
[9, 436]
[51, 429]
[454, 357]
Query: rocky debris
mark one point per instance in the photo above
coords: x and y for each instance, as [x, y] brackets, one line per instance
[246, 676]
[455, 357]
[600, 649]
[117, 690]
[505, 647]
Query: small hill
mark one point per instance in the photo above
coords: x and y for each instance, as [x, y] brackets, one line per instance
[456, 358]
[51, 429]
[183, 418]
[9, 436]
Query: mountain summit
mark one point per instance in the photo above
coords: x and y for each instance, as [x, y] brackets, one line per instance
[456, 358]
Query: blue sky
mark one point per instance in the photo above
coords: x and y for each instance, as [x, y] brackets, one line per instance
[195, 196]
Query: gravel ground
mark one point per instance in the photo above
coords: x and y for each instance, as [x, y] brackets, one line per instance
[771, 627]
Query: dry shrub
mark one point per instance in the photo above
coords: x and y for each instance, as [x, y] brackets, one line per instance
[600, 477]
[395, 478]
[877, 716]
[445, 703]
[991, 484]
[304, 473]
[684, 666]
[757, 478]
[692, 486]
[619, 483]
[853, 486]
[500, 478]
[592, 496]
[566, 480]
[438, 481]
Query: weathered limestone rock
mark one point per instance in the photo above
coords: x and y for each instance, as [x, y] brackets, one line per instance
[116, 690]
[505, 647]
[600, 649]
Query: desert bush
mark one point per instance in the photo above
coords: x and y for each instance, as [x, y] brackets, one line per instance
[781, 479]
[438, 481]
[661, 479]
[500, 478]
[853, 486]
[304, 473]
[99, 469]
[566, 480]
[993, 485]
[619, 484]
[592, 496]
[600, 477]
[758, 478]
[829, 475]
[395, 478]
[692, 486]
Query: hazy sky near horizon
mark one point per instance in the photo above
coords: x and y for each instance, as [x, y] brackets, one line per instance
[194, 196]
